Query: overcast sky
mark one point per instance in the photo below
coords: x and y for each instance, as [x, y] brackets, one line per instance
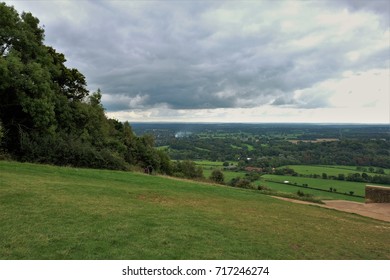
[228, 61]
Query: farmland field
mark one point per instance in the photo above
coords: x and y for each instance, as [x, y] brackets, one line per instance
[208, 167]
[330, 170]
[51, 212]
[228, 175]
[342, 186]
[275, 182]
[321, 195]
[208, 163]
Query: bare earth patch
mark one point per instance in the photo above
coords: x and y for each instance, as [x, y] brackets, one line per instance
[379, 211]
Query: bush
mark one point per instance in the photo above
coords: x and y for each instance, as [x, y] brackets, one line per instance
[252, 176]
[188, 169]
[263, 188]
[302, 194]
[66, 150]
[240, 183]
[217, 176]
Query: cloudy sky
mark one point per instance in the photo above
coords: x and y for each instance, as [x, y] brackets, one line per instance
[228, 61]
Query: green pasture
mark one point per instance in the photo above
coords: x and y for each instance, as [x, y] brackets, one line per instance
[208, 163]
[321, 195]
[166, 147]
[228, 175]
[342, 186]
[250, 147]
[353, 168]
[49, 212]
[208, 167]
[330, 170]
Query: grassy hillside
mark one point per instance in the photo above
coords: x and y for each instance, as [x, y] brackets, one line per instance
[51, 212]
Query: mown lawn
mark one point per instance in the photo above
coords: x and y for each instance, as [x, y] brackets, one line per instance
[49, 212]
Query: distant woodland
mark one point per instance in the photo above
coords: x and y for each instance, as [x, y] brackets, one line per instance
[275, 145]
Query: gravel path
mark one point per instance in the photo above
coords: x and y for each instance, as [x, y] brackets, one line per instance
[379, 211]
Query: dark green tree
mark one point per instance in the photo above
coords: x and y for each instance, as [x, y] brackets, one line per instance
[217, 176]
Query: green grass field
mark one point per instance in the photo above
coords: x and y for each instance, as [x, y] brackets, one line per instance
[342, 186]
[330, 170]
[49, 212]
[208, 167]
[321, 195]
[208, 163]
[228, 175]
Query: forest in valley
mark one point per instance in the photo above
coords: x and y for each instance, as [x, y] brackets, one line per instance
[254, 150]
[275, 145]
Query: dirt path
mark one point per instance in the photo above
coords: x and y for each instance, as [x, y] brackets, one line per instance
[379, 211]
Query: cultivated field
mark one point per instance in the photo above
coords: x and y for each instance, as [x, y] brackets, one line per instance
[51, 212]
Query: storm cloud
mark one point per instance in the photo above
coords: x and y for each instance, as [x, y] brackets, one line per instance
[193, 55]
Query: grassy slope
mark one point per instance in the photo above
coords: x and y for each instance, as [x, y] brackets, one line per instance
[50, 212]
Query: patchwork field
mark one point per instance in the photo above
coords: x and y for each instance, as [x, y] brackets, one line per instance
[49, 212]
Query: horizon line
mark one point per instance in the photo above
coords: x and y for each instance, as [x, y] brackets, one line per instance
[226, 122]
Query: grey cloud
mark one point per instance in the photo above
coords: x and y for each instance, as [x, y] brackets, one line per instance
[191, 55]
[380, 7]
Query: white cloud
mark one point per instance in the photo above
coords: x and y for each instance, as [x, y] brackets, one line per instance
[360, 90]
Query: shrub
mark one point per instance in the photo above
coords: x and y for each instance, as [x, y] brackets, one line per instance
[243, 183]
[188, 169]
[217, 176]
[263, 188]
[300, 193]
[68, 150]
